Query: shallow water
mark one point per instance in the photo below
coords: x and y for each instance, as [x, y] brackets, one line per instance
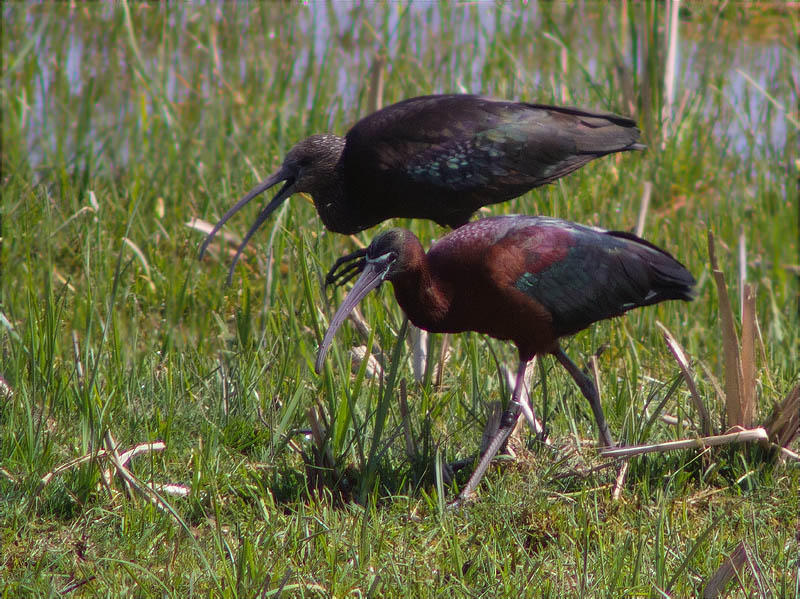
[545, 53]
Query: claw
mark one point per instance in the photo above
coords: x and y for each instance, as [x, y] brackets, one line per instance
[349, 266]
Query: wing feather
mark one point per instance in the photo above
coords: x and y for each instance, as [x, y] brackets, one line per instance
[597, 275]
[486, 152]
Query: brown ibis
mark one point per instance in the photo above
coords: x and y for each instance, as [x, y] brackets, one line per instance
[527, 279]
[437, 157]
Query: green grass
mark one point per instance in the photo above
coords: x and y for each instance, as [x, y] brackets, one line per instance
[122, 123]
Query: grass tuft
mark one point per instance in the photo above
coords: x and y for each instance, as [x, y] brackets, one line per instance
[123, 122]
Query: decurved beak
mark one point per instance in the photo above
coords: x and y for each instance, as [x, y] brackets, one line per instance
[281, 175]
[373, 275]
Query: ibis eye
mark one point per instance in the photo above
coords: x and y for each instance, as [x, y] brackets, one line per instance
[387, 257]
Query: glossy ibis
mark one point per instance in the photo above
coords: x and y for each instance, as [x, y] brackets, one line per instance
[527, 279]
[437, 157]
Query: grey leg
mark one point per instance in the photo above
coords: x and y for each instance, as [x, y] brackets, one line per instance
[590, 392]
[506, 426]
[525, 402]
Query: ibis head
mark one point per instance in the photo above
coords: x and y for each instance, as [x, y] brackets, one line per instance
[310, 167]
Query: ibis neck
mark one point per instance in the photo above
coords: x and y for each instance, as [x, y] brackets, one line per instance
[329, 201]
[327, 188]
[421, 296]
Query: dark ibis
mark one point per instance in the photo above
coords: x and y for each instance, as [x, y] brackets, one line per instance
[527, 279]
[438, 157]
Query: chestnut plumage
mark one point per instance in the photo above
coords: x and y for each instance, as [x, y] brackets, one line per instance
[527, 279]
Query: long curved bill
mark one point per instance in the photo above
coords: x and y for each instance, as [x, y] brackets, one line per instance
[285, 191]
[372, 276]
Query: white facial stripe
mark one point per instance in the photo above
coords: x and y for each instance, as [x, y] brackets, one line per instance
[380, 259]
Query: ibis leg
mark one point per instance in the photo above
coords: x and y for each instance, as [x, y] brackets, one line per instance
[525, 403]
[590, 392]
[509, 419]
